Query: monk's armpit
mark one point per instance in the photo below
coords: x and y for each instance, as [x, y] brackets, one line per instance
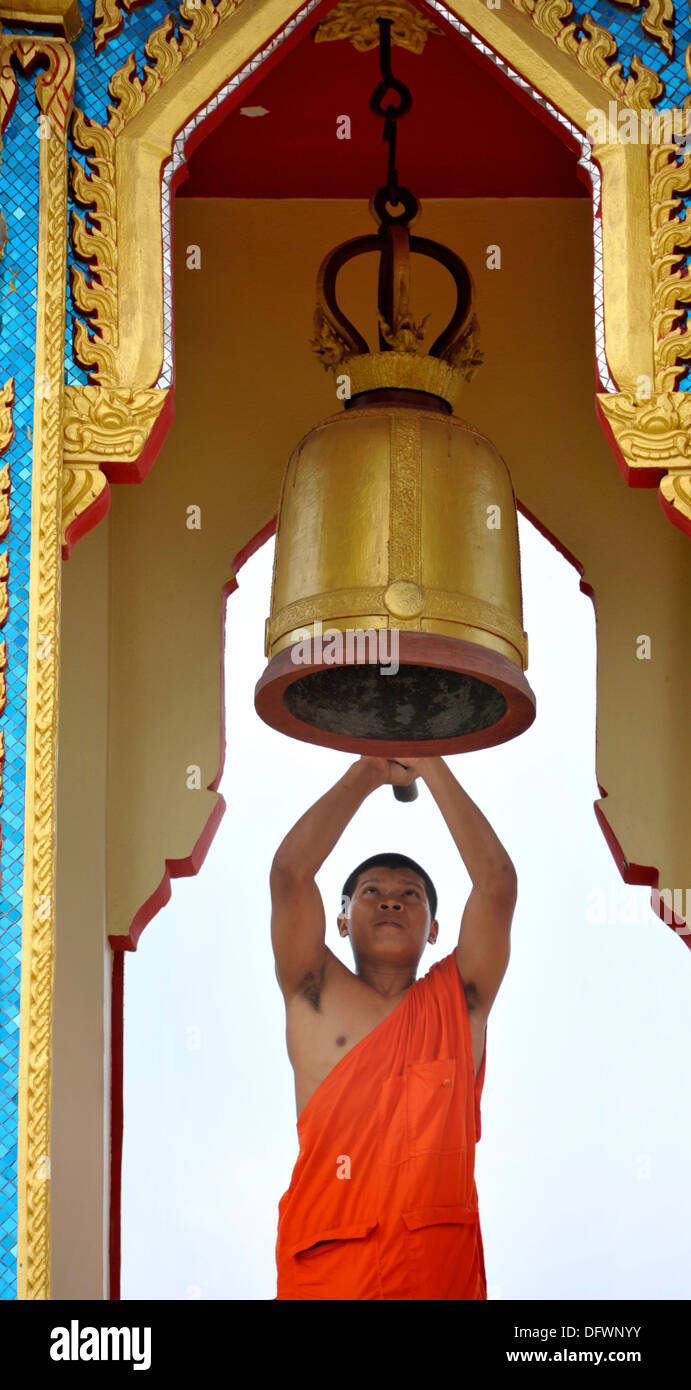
[311, 986]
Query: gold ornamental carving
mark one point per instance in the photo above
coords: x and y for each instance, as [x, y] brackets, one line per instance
[130, 345]
[655, 19]
[405, 500]
[356, 20]
[106, 424]
[54, 89]
[109, 17]
[96, 244]
[167, 51]
[595, 49]
[103, 422]
[367, 607]
[6, 428]
[404, 599]
[656, 434]
[670, 239]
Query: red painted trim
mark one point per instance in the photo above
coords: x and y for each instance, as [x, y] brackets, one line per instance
[116, 1118]
[191, 863]
[174, 868]
[633, 874]
[677, 518]
[414, 648]
[119, 472]
[634, 477]
[137, 470]
[639, 874]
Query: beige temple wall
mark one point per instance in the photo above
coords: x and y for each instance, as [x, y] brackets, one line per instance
[141, 661]
[80, 1118]
[248, 387]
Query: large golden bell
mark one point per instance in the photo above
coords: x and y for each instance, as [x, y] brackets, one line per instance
[396, 622]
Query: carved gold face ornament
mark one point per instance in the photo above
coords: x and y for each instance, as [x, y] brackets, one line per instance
[396, 517]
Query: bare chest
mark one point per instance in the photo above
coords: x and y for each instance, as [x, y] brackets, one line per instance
[317, 1039]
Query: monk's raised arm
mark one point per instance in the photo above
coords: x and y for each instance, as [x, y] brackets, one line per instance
[298, 924]
[483, 950]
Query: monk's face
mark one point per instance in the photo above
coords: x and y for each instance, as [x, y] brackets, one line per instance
[389, 917]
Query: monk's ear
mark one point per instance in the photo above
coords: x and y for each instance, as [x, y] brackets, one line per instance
[342, 923]
[433, 932]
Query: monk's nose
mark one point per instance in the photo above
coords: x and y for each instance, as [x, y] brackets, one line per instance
[387, 907]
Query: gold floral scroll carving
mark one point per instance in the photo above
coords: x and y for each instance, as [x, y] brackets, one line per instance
[655, 19]
[650, 427]
[595, 50]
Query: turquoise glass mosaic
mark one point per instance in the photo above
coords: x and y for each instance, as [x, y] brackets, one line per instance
[19, 201]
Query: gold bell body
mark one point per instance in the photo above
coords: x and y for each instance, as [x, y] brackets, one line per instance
[400, 518]
[396, 518]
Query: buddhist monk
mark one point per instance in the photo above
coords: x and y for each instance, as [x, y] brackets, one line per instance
[389, 1068]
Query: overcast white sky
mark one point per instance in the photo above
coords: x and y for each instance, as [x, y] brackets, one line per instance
[586, 1124]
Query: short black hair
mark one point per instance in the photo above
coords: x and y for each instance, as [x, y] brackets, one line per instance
[392, 861]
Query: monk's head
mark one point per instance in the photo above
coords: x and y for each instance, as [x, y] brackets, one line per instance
[388, 910]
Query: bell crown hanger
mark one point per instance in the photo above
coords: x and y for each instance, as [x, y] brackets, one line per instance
[455, 355]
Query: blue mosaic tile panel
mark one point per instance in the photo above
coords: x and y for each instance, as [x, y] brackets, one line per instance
[19, 203]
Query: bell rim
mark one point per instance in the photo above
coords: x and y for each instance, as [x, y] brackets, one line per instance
[414, 649]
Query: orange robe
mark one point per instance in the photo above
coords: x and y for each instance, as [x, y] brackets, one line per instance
[382, 1203]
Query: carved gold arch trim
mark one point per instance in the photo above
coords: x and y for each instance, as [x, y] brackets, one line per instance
[146, 114]
[575, 69]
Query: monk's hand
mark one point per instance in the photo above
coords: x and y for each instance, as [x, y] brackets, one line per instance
[398, 772]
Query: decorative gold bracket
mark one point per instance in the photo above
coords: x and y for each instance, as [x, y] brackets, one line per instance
[61, 16]
[652, 440]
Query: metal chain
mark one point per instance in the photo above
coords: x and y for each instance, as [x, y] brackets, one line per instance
[390, 113]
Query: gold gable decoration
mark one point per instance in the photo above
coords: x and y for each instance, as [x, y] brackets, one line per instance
[595, 49]
[356, 21]
[655, 19]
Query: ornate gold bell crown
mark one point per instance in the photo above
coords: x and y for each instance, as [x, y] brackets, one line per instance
[454, 356]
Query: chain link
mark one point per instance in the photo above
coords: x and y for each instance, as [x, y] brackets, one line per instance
[391, 113]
